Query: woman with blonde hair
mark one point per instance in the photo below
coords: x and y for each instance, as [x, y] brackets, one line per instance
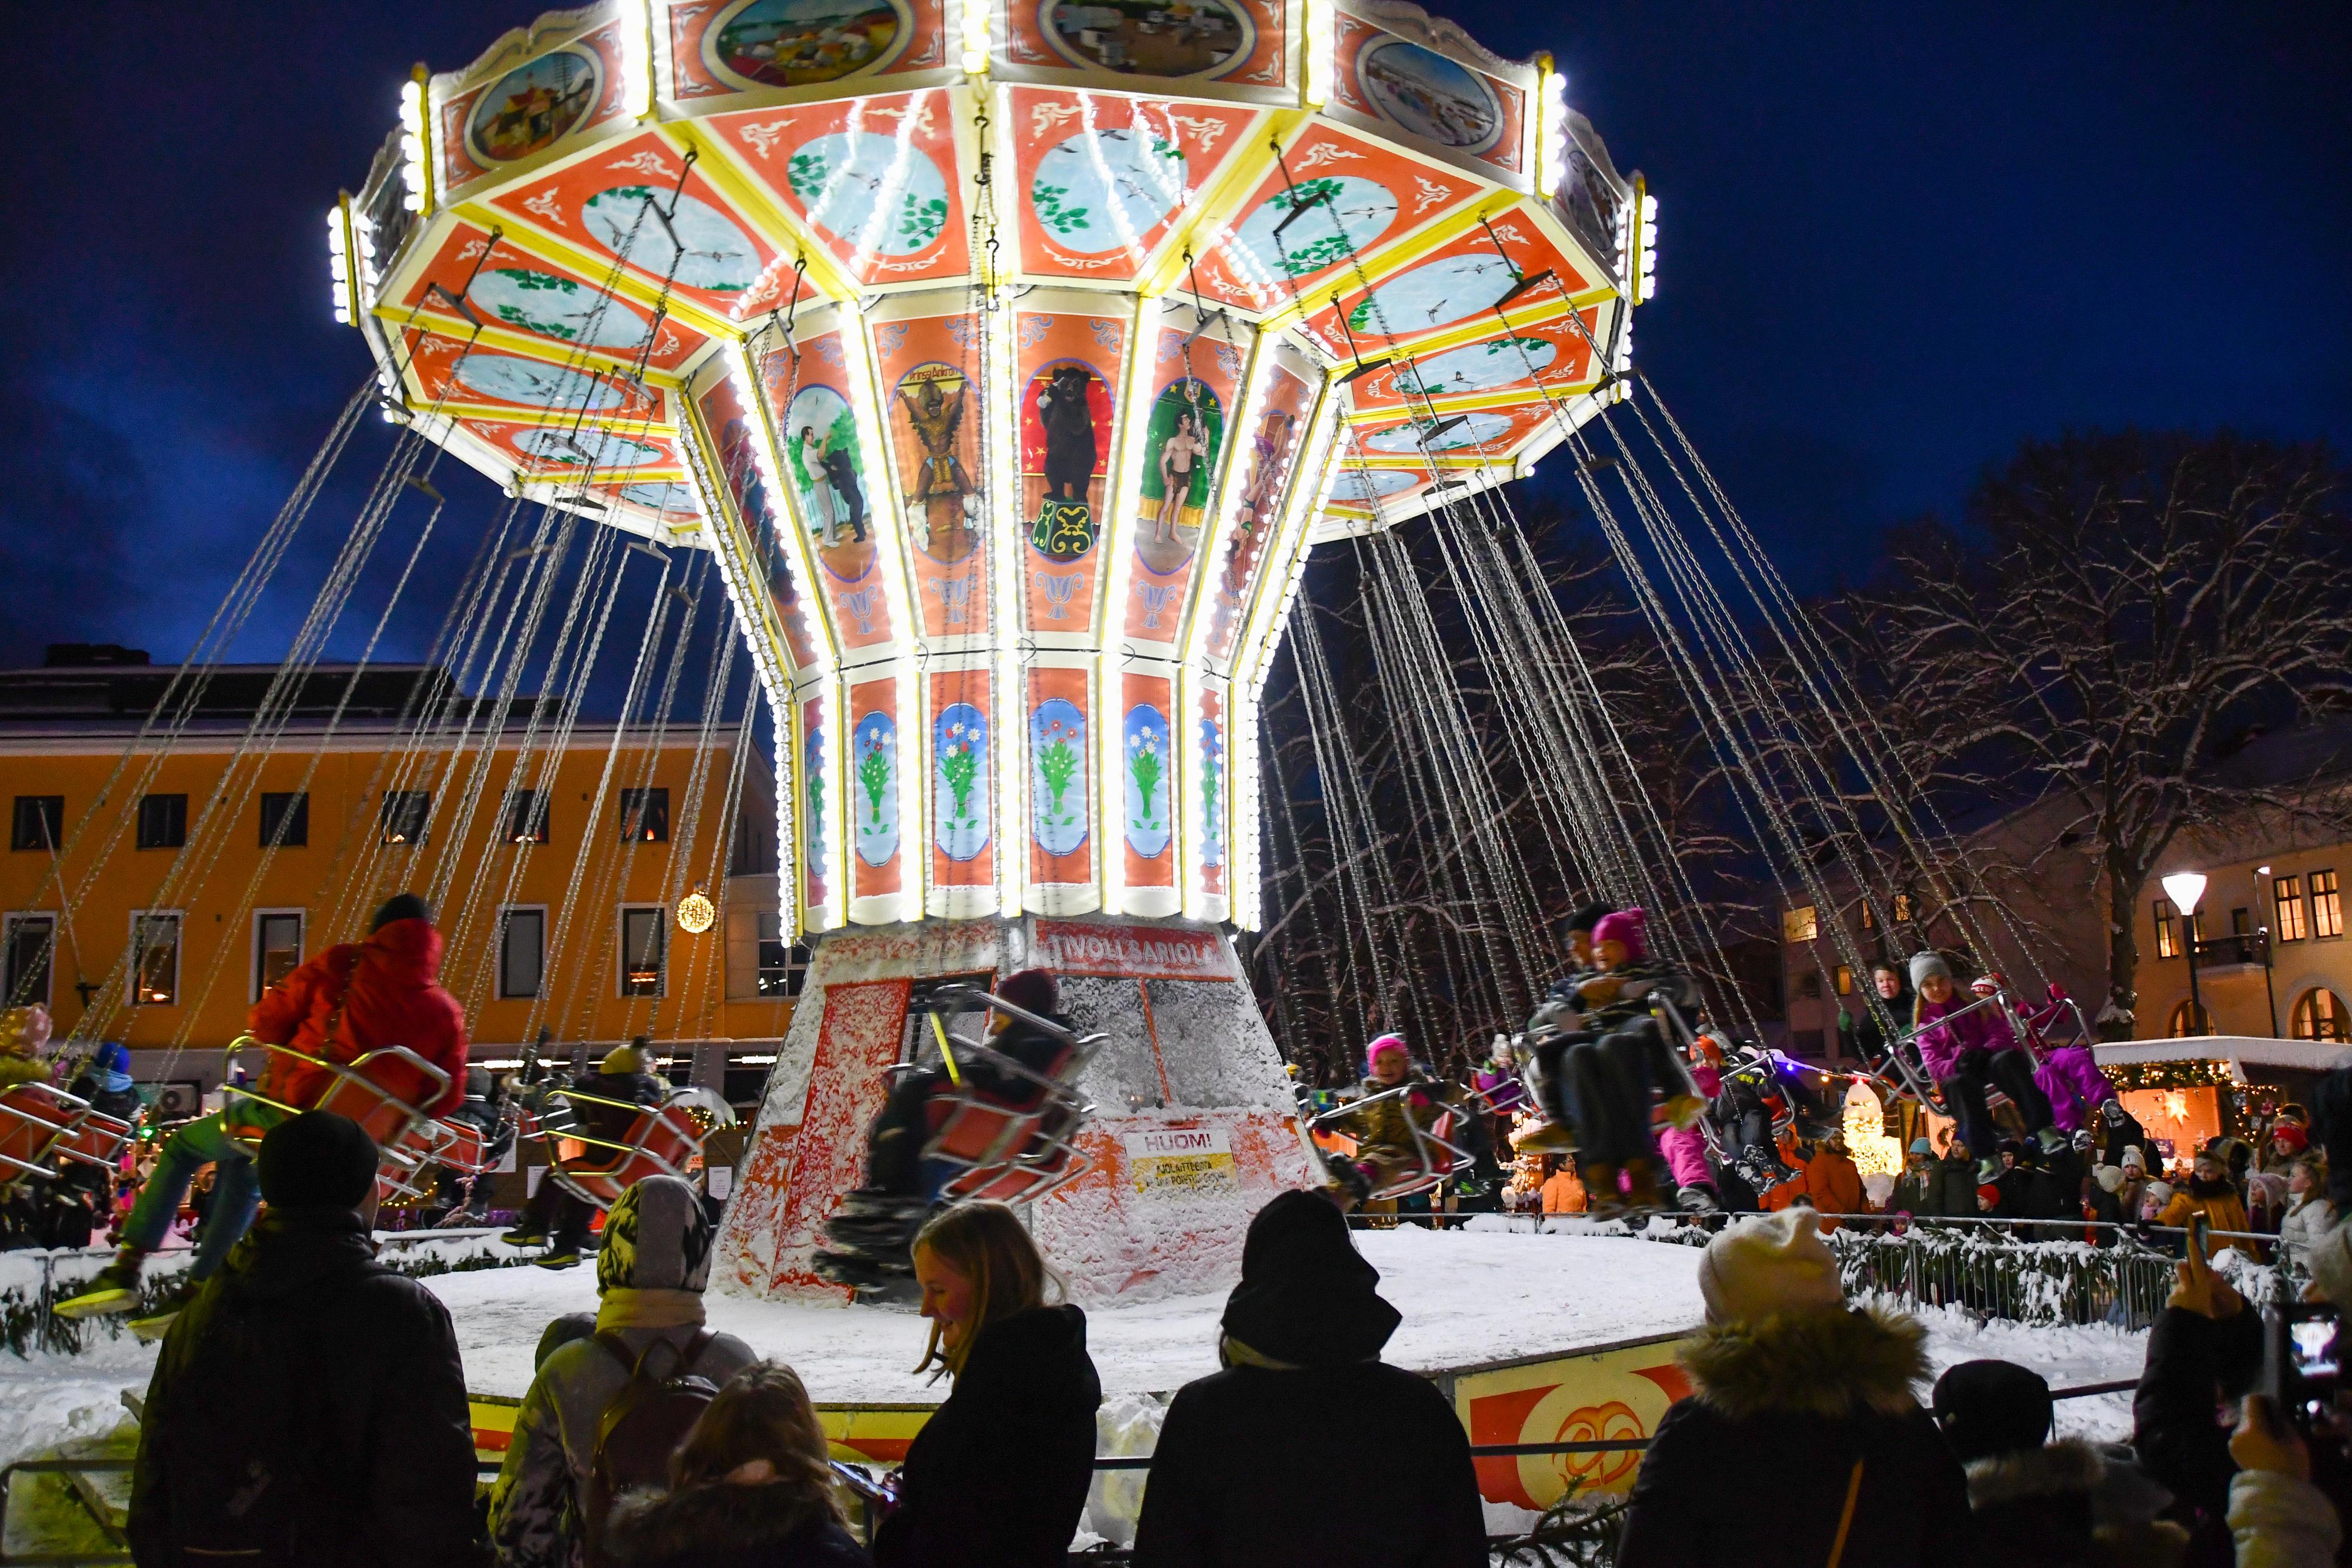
[751, 1488]
[999, 1474]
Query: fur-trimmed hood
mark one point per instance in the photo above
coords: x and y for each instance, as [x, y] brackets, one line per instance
[1821, 1363]
[2070, 1502]
[722, 1522]
[2064, 1466]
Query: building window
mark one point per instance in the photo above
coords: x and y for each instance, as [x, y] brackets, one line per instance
[163, 821]
[2321, 1015]
[286, 819]
[2286, 899]
[155, 956]
[1869, 917]
[645, 816]
[1902, 907]
[403, 815]
[1809, 985]
[2189, 1018]
[2167, 930]
[522, 951]
[276, 947]
[2327, 906]
[31, 946]
[645, 934]
[1801, 925]
[783, 965]
[38, 823]
[526, 817]
[1846, 980]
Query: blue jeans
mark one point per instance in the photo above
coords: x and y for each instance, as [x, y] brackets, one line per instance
[236, 1193]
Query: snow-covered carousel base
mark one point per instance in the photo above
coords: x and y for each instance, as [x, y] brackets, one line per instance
[1193, 1131]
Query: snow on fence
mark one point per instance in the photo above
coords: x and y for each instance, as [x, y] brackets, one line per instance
[32, 1282]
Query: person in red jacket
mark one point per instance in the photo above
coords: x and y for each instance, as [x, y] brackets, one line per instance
[353, 998]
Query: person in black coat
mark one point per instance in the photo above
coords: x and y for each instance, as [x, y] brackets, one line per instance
[1233, 1484]
[1802, 1442]
[309, 1406]
[2204, 1353]
[999, 1474]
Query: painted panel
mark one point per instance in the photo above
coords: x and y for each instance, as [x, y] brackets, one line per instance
[1069, 366]
[1460, 440]
[824, 465]
[1146, 792]
[732, 434]
[1552, 357]
[1456, 285]
[446, 372]
[1102, 177]
[873, 178]
[1207, 792]
[530, 108]
[1335, 198]
[558, 451]
[512, 289]
[817, 783]
[963, 773]
[1061, 790]
[1183, 451]
[602, 204]
[1611, 1395]
[720, 47]
[1270, 449]
[874, 760]
[1208, 40]
[1428, 95]
[930, 370]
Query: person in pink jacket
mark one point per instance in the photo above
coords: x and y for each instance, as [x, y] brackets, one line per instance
[1685, 1147]
[2070, 1076]
[1975, 1048]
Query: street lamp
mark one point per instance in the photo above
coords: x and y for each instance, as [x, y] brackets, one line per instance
[2266, 890]
[2185, 888]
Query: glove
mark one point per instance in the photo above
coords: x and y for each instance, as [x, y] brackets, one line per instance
[1846, 1022]
[1683, 1111]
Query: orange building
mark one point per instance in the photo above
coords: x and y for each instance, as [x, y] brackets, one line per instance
[151, 891]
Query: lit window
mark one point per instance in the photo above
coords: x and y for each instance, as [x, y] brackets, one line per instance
[2321, 1015]
[164, 822]
[645, 934]
[154, 957]
[2167, 930]
[403, 815]
[38, 823]
[783, 965]
[2189, 1018]
[1801, 923]
[277, 947]
[1902, 906]
[31, 948]
[522, 951]
[1846, 980]
[645, 816]
[526, 817]
[2286, 897]
[286, 820]
[1869, 916]
[2327, 906]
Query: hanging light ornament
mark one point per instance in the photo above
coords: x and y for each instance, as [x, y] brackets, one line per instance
[1872, 1152]
[696, 912]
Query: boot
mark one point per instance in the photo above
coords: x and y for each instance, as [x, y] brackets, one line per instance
[1546, 1138]
[2053, 1140]
[1601, 1200]
[148, 1327]
[1697, 1200]
[1642, 1183]
[115, 1291]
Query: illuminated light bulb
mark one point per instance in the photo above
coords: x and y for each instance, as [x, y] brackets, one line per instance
[696, 912]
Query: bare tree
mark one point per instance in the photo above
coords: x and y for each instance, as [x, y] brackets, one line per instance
[2119, 609]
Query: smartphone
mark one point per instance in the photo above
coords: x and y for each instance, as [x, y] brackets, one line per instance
[2303, 1359]
[2199, 1225]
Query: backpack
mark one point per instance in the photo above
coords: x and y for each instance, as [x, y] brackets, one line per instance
[642, 1429]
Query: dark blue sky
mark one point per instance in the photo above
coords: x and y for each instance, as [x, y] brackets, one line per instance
[1896, 240]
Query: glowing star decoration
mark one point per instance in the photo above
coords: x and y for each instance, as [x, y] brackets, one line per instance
[1866, 1142]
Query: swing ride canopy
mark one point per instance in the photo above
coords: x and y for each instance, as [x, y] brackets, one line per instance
[1009, 358]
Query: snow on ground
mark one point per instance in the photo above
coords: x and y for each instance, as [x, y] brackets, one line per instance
[45, 1399]
[1467, 1300]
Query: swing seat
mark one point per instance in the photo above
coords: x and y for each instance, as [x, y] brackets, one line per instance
[39, 1125]
[454, 1143]
[355, 1088]
[1010, 1144]
[661, 1140]
[1436, 1158]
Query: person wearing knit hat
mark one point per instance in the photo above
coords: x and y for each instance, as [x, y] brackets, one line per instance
[1395, 1100]
[1232, 1487]
[1809, 1404]
[1968, 1045]
[650, 1276]
[307, 1359]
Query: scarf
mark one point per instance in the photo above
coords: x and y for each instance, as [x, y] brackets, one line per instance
[624, 1308]
[113, 1082]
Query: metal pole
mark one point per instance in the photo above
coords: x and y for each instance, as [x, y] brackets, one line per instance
[2270, 986]
[2197, 1020]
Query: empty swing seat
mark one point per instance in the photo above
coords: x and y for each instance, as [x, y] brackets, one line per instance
[39, 1123]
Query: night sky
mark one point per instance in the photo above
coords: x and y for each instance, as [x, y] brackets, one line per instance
[1894, 241]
